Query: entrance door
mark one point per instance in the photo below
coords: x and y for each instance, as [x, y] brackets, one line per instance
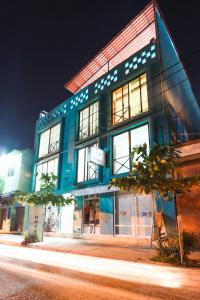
[91, 214]
[133, 215]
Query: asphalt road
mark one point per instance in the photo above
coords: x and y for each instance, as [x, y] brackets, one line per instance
[37, 274]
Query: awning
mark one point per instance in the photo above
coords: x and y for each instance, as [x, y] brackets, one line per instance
[94, 190]
[135, 36]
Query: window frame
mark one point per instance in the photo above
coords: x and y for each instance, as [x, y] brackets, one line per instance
[77, 164]
[49, 141]
[139, 77]
[129, 140]
[43, 162]
[89, 125]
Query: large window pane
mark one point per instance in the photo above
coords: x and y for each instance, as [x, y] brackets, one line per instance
[130, 100]
[38, 176]
[44, 143]
[94, 118]
[121, 161]
[89, 121]
[135, 101]
[49, 141]
[50, 166]
[81, 165]
[139, 136]
[144, 95]
[123, 144]
[54, 139]
[84, 123]
[86, 170]
[117, 106]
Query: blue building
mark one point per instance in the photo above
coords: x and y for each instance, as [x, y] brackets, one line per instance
[134, 91]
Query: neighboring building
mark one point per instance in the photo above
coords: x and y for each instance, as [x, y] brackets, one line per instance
[134, 91]
[188, 204]
[15, 175]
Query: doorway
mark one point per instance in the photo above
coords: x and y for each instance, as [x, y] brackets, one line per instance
[91, 214]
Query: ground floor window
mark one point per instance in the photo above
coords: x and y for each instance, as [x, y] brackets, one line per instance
[133, 215]
[91, 214]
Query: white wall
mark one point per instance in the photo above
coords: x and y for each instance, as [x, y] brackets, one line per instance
[66, 223]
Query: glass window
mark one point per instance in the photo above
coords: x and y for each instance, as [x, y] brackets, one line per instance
[50, 166]
[122, 145]
[86, 170]
[89, 121]
[54, 139]
[44, 143]
[121, 153]
[130, 100]
[49, 141]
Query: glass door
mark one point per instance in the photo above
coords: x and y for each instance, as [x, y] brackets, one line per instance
[133, 215]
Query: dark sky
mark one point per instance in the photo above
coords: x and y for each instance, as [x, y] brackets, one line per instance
[44, 43]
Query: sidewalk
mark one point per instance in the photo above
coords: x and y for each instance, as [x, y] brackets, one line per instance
[97, 248]
[104, 249]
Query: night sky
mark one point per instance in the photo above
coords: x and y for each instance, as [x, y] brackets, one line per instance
[44, 43]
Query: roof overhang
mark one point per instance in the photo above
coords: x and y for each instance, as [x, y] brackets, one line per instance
[135, 36]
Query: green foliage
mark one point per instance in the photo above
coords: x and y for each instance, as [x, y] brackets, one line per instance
[170, 251]
[46, 196]
[155, 172]
[31, 238]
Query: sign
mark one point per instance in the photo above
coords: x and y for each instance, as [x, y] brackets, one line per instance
[36, 221]
[96, 156]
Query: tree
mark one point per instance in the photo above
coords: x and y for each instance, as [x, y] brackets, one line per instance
[45, 197]
[155, 173]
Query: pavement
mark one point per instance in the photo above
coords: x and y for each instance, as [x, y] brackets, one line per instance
[96, 248]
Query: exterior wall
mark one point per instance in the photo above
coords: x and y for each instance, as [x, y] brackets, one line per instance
[15, 170]
[182, 113]
[11, 162]
[106, 213]
[188, 204]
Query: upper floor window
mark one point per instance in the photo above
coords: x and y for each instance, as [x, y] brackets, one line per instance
[130, 100]
[47, 167]
[49, 141]
[123, 144]
[89, 121]
[86, 170]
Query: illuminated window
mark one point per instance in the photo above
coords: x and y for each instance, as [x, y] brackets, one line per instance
[89, 121]
[86, 170]
[130, 100]
[49, 141]
[123, 144]
[50, 166]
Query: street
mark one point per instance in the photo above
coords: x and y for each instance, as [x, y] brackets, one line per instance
[39, 274]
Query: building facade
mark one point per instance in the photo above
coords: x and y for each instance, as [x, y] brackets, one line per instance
[134, 91]
[15, 175]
